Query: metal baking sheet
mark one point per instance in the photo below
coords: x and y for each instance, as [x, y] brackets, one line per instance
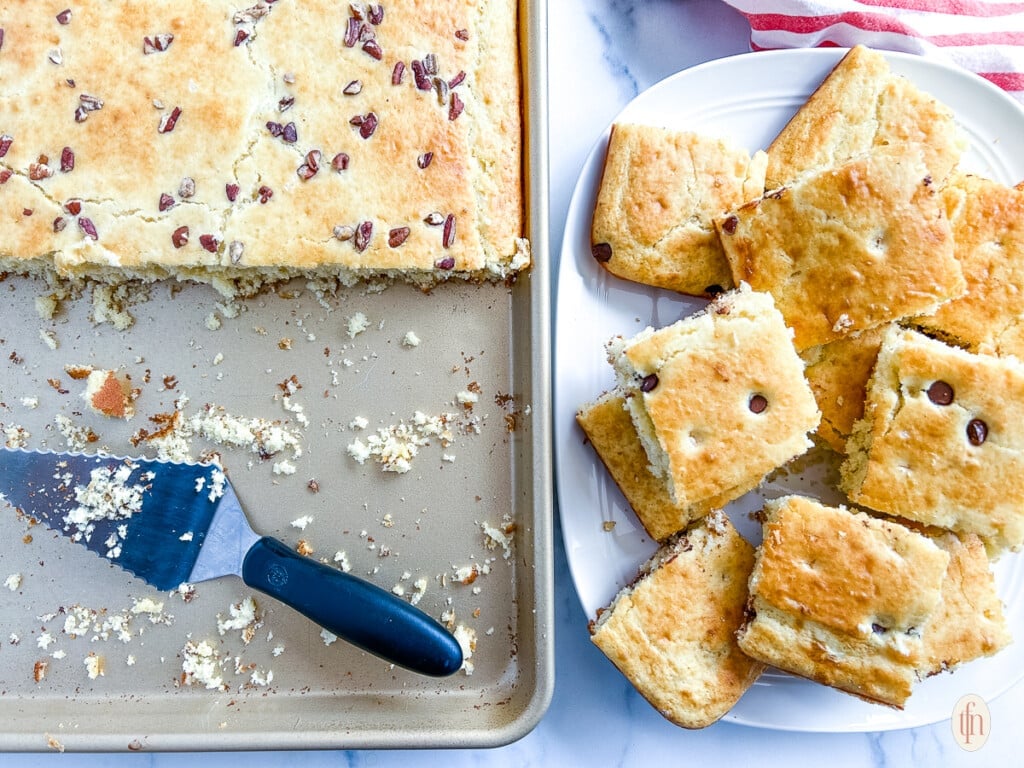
[188, 348]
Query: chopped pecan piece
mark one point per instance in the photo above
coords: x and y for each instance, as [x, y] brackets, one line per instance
[67, 160]
[179, 237]
[157, 43]
[363, 234]
[167, 122]
[397, 236]
[88, 228]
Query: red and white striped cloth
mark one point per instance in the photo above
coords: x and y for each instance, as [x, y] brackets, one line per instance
[984, 36]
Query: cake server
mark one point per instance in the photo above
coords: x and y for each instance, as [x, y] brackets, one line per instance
[170, 523]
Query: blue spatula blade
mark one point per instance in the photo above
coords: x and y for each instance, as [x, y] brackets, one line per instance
[159, 542]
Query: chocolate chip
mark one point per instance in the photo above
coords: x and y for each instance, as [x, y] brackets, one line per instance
[602, 252]
[878, 629]
[977, 431]
[940, 393]
[713, 290]
[648, 382]
[730, 224]
[757, 403]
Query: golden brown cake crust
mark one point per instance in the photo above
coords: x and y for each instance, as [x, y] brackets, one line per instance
[303, 151]
[672, 634]
[609, 428]
[848, 248]
[955, 461]
[659, 191]
[969, 622]
[840, 597]
[729, 402]
[988, 231]
[838, 373]
[859, 107]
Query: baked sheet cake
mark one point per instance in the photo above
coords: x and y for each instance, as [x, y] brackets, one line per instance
[210, 140]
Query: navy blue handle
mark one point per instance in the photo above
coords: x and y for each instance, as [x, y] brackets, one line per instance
[355, 610]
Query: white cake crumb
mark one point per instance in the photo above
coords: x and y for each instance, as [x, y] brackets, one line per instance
[187, 536]
[327, 636]
[341, 558]
[410, 339]
[13, 582]
[213, 322]
[466, 637]
[499, 537]
[107, 496]
[357, 323]
[243, 618]
[302, 522]
[30, 402]
[16, 436]
[58, 654]
[358, 423]
[466, 397]
[95, 666]
[395, 447]
[420, 586]
[45, 640]
[201, 665]
[218, 358]
[284, 467]
[130, 660]
[49, 338]
[278, 650]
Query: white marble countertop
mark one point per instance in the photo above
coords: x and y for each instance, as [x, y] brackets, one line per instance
[602, 53]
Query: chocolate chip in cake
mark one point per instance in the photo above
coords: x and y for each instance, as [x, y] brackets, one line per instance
[602, 252]
[713, 290]
[940, 393]
[730, 224]
[757, 403]
[179, 237]
[649, 382]
[977, 431]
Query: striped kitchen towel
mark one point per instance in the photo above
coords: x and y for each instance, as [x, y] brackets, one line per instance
[984, 36]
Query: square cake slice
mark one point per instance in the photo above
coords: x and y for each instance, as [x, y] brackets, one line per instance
[673, 632]
[659, 192]
[838, 373]
[841, 598]
[861, 106]
[216, 140]
[718, 399]
[988, 234]
[969, 622]
[609, 428]
[847, 248]
[941, 440]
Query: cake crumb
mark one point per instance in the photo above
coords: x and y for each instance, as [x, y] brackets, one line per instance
[302, 522]
[13, 582]
[466, 637]
[201, 664]
[357, 323]
[95, 666]
[410, 339]
[110, 393]
[243, 617]
[49, 338]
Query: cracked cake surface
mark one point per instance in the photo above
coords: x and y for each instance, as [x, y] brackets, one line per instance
[208, 140]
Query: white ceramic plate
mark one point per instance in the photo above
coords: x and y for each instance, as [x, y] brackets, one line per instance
[748, 98]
